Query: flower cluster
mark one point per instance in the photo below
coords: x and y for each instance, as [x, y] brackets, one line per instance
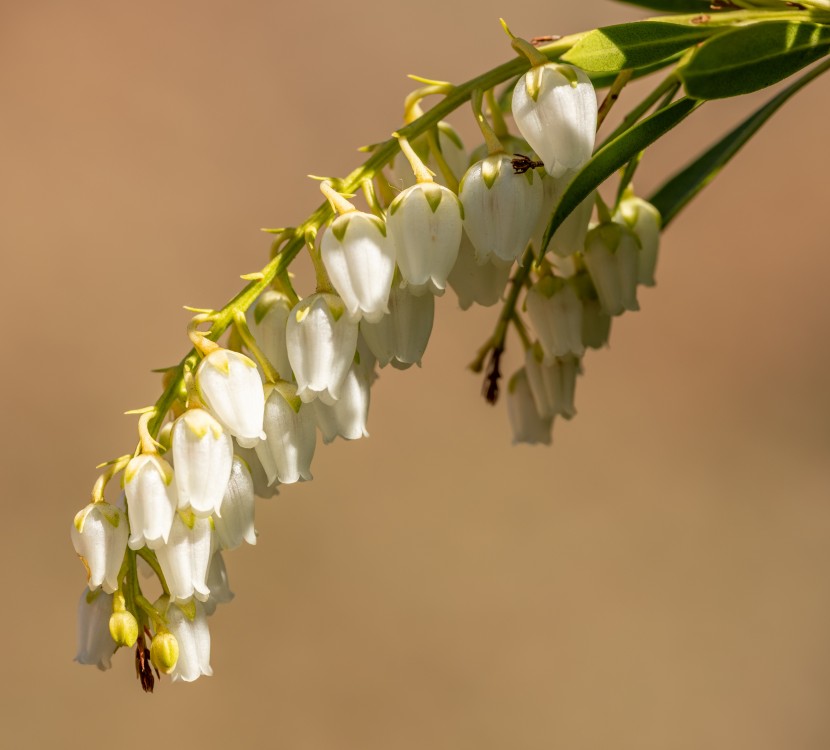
[248, 424]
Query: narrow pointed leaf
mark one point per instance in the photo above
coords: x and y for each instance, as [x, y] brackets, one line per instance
[635, 45]
[676, 192]
[752, 57]
[615, 155]
[673, 6]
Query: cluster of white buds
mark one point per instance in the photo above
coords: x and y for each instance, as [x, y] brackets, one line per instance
[248, 424]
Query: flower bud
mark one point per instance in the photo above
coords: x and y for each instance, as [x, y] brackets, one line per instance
[424, 223]
[95, 645]
[184, 559]
[645, 221]
[527, 424]
[360, 261]
[402, 336]
[347, 417]
[164, 651]
[501, 209]
[556, 313]
[151, 494]
[555, 109]
[99, 535]
[268, 322]
[321, 345]
[231, 387]
[474, 283]
[193, 637]
[291, 437]
[123, 628]
[236, 522]
[203, 455]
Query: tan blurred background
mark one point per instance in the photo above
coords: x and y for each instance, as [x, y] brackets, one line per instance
[658, 579]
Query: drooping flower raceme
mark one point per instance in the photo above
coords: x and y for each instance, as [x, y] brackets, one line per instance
[99, 535]
[555, 109]
[321, 342]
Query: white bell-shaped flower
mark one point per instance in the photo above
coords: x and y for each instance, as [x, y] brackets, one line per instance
[236, 522]
[570, 236]
[347, 417]
[596, 324]
[556, 313]
[151, 494]
[474, 282]
[552, 386]
[268, 322]
[95, 644]
[501, 209]
[527, 424]
[184, 559]
[99, 535]
[401, 338]
[360, 261]
[217, 581]
[291, 436]
[231, 387]
[262, 485]
[555, 109]
[645, 221]
[611, 257]
[424, 224]
[321, 343]
[189, 626]
[203, 454]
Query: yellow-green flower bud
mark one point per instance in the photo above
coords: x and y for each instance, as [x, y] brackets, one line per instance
[164, 651]
[124, 628]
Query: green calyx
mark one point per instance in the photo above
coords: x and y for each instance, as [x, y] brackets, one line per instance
[491, 169]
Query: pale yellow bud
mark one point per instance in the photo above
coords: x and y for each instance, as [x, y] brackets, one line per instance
[164, 651]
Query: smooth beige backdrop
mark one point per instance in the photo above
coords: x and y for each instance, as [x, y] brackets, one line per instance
[658, 579]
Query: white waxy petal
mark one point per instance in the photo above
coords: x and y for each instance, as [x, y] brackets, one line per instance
[424, 223]
[628, 260]
[185, 558]
[151, 494]
[236, 522]
[268, 323]
[401, 338]
[501, 209]
[231, 387]
[557, 118]
[600, 260]
[360, 261]
[475, 283]
[217, 580]
[556, 313]
[291, 433]
[321, 343]
[202, 453]
[527, 424]
[570, 236]
[645, 221]
[347, 417]
[193, 637]
[95, 644]
[99, 535]
[263, 487]
[596, 324]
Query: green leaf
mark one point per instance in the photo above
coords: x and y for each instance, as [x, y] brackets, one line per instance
[753, 57]
[635, 45]
[673, 6]
[614, 155]
[677, 191]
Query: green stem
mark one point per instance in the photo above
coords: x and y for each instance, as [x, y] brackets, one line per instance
[613, 94]
[241, 326]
